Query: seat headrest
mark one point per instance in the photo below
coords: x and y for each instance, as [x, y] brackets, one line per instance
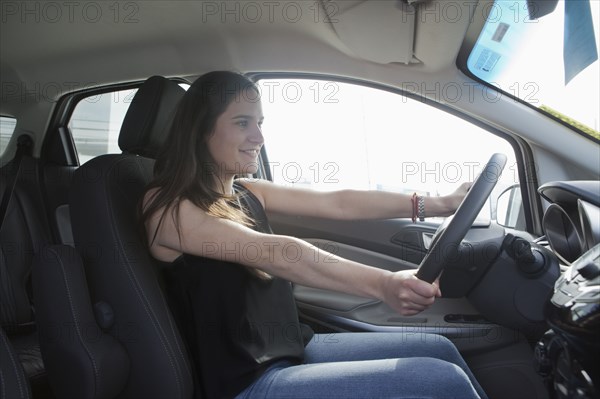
[149, 116]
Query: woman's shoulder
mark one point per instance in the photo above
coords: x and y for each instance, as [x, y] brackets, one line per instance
[259, 188]
[148, 195]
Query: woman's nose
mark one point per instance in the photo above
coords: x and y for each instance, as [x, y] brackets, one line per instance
[256, 136]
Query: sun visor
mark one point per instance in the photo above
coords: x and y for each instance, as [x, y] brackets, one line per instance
[381, 31]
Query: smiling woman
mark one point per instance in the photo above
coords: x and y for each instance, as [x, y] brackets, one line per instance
[366, 104]
[235, 303]
[237, 138]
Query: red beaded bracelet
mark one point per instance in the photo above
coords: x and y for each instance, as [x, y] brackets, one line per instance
[413, 202]
[418, 207]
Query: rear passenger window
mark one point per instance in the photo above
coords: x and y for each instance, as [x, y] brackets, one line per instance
[96, 122]
[7, 127]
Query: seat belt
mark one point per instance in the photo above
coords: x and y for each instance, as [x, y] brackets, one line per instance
[24, 144]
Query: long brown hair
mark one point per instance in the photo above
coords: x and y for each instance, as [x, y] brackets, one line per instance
[185, 169]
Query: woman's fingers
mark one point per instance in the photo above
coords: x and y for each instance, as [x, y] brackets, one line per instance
[422, 288]
[410, 295]
[436, 284]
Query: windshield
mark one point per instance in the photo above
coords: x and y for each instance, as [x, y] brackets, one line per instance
[550, 62]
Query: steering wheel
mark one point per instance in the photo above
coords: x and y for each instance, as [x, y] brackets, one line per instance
[449, 235]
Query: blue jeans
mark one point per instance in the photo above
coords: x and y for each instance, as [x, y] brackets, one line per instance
[371, 365]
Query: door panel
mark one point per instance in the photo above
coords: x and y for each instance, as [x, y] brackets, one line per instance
[387, 244]
[399, 238]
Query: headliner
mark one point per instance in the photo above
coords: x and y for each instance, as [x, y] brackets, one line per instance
[57, 47]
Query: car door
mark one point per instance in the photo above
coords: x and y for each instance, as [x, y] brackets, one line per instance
[329, 135]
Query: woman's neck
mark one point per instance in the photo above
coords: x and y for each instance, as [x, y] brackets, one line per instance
[224, 185]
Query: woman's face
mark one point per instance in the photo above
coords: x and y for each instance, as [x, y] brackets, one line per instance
[237, 138]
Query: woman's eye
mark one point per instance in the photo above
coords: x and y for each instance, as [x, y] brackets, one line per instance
[242, 123]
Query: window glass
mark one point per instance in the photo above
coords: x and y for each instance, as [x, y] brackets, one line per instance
[96, 122]
[331, 135]
[7, 127]
[545, 54]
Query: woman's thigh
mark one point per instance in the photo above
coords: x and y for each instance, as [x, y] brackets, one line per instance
[412, 377]
[371, 365]
[371, 346]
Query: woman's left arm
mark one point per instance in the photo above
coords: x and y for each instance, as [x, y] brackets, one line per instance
[348, 204]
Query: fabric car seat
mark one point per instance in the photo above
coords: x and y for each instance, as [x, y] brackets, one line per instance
[82, 361]
[123, 278]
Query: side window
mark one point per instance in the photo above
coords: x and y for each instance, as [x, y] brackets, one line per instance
[7, 127]
[96, 121]
[332, 135]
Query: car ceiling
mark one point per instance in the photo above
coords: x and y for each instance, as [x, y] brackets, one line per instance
[44, 56]
[64, 48]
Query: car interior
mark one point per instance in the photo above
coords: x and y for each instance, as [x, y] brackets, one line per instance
[393, 95]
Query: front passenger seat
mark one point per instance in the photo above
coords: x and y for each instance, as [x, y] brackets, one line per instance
[123, 278]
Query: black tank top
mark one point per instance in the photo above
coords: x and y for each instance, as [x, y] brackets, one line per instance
[235, 324]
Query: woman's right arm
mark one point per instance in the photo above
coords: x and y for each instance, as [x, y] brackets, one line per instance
[285, 257]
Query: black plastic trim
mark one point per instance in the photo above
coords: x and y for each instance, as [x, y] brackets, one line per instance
[569, 191]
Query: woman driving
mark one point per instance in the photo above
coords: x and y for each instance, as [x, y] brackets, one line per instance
[228, 276]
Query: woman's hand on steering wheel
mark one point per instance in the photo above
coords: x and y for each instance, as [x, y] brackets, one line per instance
[454, 199]
[450, 234]
[408, 295]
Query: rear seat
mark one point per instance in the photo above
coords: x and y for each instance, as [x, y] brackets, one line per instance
[24, 231]
[13, 383]
[33, 218]
[36, 217]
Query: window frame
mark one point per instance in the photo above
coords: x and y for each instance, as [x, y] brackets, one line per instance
[69, 121]
[62, 150]
[533, 209]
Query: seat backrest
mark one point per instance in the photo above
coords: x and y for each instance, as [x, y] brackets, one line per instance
[121, 273]
[82, 361]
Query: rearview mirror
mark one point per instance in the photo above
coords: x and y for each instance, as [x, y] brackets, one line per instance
[540, 8]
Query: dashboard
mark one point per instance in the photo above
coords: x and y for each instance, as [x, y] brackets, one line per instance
[566, 356]
[572, 220]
